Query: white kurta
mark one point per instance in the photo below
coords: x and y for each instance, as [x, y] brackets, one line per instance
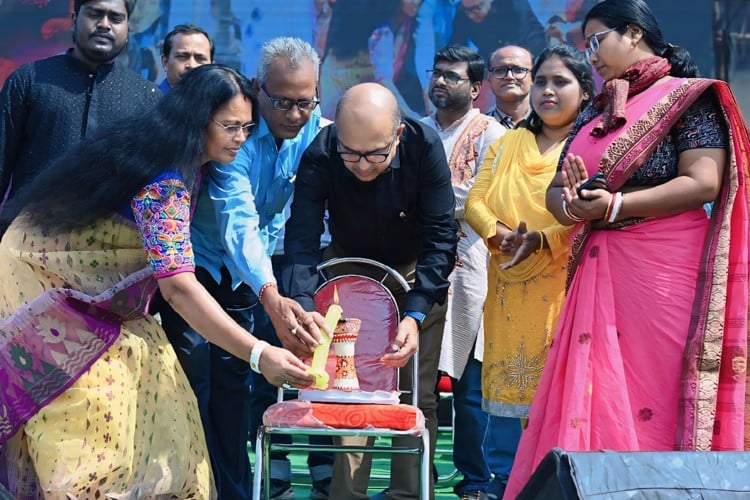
[463, 322]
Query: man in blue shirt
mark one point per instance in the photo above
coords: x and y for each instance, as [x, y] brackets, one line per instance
[238, 216]
[185, 47]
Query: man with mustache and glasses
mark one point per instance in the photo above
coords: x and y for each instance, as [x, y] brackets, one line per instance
[238, 219]
[455, 82]
[52, 104]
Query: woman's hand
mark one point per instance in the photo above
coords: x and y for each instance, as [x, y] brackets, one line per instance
[592, 204]
[593, 207]
[513, 240]
[501, 231]
[521, 243]
[573, 174]
[280, 367]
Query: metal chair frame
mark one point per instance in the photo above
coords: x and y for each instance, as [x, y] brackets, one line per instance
[264, 446]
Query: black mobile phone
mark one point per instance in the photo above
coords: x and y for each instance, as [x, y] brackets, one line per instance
[596, 181]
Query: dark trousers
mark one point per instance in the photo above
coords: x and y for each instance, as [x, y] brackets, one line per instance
[220, 382]
[483, 445]
[351, 473]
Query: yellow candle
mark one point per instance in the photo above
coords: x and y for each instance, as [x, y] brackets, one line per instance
[320, 354]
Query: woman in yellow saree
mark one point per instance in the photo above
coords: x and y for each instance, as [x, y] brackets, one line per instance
[94, 403]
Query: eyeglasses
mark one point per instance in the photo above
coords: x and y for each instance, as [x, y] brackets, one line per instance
[592, 45]
[285, 104]
[233, 130]
[354, 157]
[500, 72]
[449, 77]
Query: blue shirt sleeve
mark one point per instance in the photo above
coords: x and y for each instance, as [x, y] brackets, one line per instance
[273, 230]
[247, 256]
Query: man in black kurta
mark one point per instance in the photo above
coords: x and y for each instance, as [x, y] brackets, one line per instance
[387, 187]
[50, 105]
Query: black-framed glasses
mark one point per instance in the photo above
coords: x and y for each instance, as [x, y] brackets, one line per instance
[353, 156]
[233, 130]
[285, 104]
[500, 72]
[592, 44]
[449, 77]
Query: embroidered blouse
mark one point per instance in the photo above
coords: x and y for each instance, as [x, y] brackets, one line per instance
[162, 212]
[701, 126]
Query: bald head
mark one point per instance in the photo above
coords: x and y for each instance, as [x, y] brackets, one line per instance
[511, 90]
[370, 106]
[368, 126]
[512, 52]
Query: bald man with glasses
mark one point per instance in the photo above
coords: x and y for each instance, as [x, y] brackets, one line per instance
[509, 76]
[387, 187]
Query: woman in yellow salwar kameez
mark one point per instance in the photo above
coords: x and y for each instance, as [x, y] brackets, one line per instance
[94, 403]
[528, 247]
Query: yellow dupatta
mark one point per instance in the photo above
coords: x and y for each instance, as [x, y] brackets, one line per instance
[517, 191]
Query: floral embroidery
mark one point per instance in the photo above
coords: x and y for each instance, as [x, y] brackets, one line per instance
[645, 414]
[584, 338]
[21, 357]
[162, 212]
[522, 370]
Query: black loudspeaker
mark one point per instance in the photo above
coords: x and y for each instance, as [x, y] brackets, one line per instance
[640, 475]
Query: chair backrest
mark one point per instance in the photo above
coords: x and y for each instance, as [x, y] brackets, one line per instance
[370, 301]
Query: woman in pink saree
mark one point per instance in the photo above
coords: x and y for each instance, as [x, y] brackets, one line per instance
[651, 347]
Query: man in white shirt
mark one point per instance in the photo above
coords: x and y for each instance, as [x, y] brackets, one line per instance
[455, 83]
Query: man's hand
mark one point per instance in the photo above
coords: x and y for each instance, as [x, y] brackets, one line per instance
[404, 345]
[297, 329]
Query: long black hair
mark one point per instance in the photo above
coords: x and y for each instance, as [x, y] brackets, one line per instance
[621, 13]
[576, 62]
[100, 175]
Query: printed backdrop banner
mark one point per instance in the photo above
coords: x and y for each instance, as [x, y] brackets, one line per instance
[392, 41]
